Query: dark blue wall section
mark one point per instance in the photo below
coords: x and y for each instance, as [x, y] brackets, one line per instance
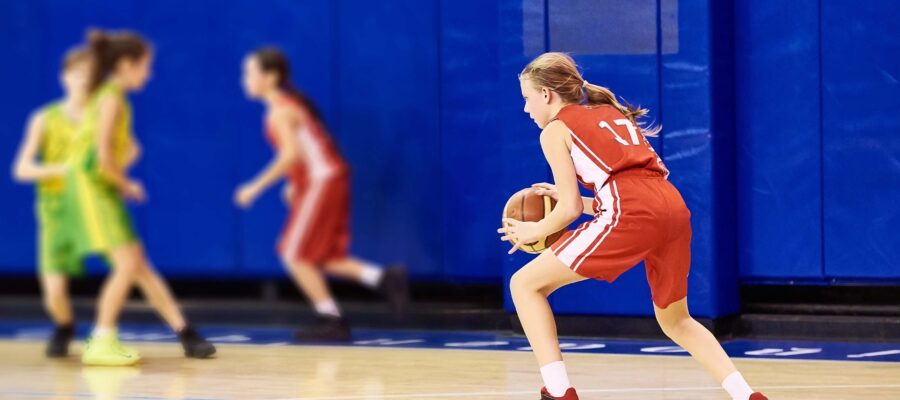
[17, 232]
[817, 140]
[777, 119]
[861, 138]
[189, 222]
[388, 112]
[780, 127]
[470, 139]
[522, 37]
[691, 139]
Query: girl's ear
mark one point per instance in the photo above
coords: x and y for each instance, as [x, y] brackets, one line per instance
[546, 93]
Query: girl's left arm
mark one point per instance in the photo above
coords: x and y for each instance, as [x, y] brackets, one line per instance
[283, 125]
[569, 205]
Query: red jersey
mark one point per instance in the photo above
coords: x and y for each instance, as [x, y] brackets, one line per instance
[605, 142]
[319, 157]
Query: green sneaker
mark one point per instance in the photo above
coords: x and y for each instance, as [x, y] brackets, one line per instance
[107, 351]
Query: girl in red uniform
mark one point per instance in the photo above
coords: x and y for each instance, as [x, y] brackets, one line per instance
[316, 235]
[588, 136]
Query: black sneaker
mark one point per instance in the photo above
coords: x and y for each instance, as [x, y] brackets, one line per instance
[58, 344]
[326, 329]
[195, 346]
[395, 288]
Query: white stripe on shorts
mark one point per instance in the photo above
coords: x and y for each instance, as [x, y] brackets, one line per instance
[616, 211]
[580, 241]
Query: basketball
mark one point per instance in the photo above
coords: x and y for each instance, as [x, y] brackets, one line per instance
[527, 205]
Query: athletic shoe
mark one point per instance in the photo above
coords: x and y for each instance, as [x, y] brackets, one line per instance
[326, 329]
[107, 351]
[58, 344]
[195, 346]
[570, 395]
[395, 287]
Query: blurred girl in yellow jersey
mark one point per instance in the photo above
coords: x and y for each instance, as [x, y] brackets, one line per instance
[46, 157]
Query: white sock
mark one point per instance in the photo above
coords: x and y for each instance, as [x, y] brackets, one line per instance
[737, 387]
[556, 379]
[371, 275]
[328, 307]
[102, 332]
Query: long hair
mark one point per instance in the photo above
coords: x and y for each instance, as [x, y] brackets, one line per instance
[559, 73]
[108, 47]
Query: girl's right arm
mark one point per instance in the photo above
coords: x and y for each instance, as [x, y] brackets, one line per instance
[26, 167]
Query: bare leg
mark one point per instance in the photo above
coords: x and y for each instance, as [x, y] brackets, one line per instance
[56, 298]
[118, 285]
[391, 282]
[677, 323]
[157, 292]
[530, 287]
[310, 280]
[347, 268]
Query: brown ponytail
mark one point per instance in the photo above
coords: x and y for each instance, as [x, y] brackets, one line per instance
[272, 59]
[559, 73]
[108, 47]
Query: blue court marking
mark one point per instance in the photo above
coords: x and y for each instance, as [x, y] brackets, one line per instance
[275, 336]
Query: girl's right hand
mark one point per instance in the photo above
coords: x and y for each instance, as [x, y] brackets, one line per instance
[546, 189]
[133, 190]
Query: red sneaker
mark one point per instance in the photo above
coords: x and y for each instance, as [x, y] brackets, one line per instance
[570, 395]
[758, 396]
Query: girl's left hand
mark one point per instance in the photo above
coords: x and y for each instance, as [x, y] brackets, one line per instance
[519, 232]
[246, 195]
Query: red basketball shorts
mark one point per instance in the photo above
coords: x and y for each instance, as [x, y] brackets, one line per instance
[317, 228]
[642, 218]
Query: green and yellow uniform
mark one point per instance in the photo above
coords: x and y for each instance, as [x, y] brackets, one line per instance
[102, 218]
[58, 234]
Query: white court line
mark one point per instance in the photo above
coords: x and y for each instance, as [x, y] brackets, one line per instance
[622, 390]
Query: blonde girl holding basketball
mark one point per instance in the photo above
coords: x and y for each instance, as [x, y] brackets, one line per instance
[590, 137]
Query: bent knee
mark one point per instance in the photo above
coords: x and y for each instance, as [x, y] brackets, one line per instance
[522, 282]
[297, 265]
[675, 327]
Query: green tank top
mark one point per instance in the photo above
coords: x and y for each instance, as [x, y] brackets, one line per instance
[56, 143]
[85, 151]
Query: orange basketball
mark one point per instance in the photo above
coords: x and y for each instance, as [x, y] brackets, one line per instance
[527, 205]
